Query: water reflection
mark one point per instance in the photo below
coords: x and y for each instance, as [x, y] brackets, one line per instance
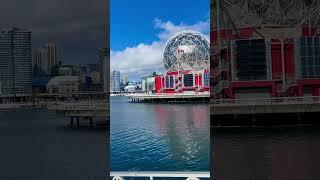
[159, 137]
[267, 153]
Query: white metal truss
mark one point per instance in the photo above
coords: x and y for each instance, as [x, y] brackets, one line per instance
[266, 15]
[186, 50]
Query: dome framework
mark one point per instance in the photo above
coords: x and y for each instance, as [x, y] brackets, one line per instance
[186, 50]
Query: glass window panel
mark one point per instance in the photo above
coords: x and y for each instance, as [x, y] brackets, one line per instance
[171, 81]
[188, 80]
[309, 41]
[302, 42]
[310, 51]
[316, 41]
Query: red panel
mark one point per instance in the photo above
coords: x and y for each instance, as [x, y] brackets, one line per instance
[196, 80]
[172, 73]
[316, 90]
[305, 82]
[315, 83]
[309, 31]
[245, 84]
[244, 33]
[276, 59]
[248, 84]
[289, 58]
[169, 91]
[158, 84]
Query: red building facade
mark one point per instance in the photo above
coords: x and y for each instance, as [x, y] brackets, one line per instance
[187, 81]
[248, 65]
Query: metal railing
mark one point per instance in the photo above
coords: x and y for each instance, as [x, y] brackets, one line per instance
[81, 106]
[268, 101]
[152, 175]
[221, 85]
[217, 70]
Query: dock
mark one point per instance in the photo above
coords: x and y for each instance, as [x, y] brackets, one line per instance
[265, 111]
[83, 110]
[170, 98]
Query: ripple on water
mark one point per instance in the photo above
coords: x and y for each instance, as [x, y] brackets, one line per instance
[159, 137]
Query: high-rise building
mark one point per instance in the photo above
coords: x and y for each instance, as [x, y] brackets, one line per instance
[15, 62]
[46, 59]
[115, 81]
[104, 69]
[125, 79]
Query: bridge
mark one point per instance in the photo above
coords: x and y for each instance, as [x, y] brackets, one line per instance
[152, 175]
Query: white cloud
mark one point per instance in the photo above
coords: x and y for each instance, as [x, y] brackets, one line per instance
[147, 58]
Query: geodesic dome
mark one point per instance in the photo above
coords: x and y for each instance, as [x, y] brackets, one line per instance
[186, 50]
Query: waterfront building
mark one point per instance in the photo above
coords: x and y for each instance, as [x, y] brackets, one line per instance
[63, 85]
[150, 85]
[130, 88]
[105, 70]
[95, 75]
[265, 57]
[125, 79]
[15, 62]
[186, 62]
[46, 59]
[65, 71]
[115, 81]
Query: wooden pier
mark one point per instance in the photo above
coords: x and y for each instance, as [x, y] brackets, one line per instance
[170, 98]
[87, 110]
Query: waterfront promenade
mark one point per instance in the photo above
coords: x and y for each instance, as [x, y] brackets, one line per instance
[264, 111]
[169, 97]
[75, 110]
[265, 105]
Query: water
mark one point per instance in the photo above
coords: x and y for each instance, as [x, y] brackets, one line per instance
[273, 153]
[159, 137]
[37, 145]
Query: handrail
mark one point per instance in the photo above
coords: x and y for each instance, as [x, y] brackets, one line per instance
[156, 174]
[217, 70]
[82, 106]
[221, 85]
[268, 101]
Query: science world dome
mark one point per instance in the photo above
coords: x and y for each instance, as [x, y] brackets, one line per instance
[186, 50]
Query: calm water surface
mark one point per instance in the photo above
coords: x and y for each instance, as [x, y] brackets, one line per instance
[38, 145]
[159, 137]
[277, 153]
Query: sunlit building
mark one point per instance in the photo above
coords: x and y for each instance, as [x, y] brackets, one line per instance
[186, 62]
[115, 81]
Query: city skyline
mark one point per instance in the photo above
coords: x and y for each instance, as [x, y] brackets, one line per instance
[79, 33]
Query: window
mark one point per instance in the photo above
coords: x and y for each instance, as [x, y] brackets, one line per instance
[310, 57]
[206, 79]
[251, 59]
[169, 82]
[188, 80]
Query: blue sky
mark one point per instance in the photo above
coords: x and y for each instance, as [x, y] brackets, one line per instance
[140, 28]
